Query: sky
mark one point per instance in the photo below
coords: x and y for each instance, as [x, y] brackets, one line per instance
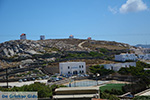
[126, 21]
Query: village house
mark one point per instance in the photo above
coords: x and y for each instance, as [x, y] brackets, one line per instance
[42, 37]
[117, 66]
[125, 57]
[144, 56]
[71, 37]
[23, 36]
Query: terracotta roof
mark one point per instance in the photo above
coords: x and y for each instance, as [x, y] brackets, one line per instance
[23, 34]
[89, 38]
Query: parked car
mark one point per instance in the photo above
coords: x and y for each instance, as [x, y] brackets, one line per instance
[51, 80]
[46, 76]
[20, 80]
[33, 78]
[57, 79]
[39, 78]
[25, 80]
[86, 75]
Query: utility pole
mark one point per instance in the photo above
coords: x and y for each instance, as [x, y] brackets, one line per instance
[74, 82]
[97, 75]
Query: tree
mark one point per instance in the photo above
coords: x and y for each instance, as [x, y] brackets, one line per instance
[100, 70]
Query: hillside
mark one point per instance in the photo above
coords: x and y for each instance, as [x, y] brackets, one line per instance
[45, 52]
[16, 48]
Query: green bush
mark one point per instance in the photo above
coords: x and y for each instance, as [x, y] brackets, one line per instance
[104, 95]
[103, 50]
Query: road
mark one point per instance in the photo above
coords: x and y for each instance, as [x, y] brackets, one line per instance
[19, 84]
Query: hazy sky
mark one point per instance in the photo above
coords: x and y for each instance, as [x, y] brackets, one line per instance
[126, 21]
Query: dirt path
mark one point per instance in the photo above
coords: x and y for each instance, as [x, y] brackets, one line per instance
[80, 44]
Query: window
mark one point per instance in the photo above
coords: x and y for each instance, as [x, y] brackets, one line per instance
[79, 66]
[68, 67]
[82, 66]
[82, 71]
[68, 72]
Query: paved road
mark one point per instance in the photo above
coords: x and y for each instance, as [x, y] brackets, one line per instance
[19, 84]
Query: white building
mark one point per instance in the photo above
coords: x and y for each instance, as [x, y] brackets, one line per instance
[117, 66]
[124, 57]
[23, 36]
[42, 37]
[144, 56]
[146, 50]
[72, 68]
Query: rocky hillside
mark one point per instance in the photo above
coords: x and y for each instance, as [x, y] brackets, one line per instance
[27, 48]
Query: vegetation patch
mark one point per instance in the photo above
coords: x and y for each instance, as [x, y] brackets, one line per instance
[108, 96]
[112, 86]
[100, 70]
[42, 89]
[142, 98]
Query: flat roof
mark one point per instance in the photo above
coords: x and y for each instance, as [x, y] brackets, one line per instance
[70, 62]
[74, 96]
[76, 88]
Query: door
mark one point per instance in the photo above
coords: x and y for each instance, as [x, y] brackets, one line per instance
[75, 72]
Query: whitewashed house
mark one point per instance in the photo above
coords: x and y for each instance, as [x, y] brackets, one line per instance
[124, 57]
[146, 50]
[117, 66]
[144, 56]
[72, 68]
[23, 36]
